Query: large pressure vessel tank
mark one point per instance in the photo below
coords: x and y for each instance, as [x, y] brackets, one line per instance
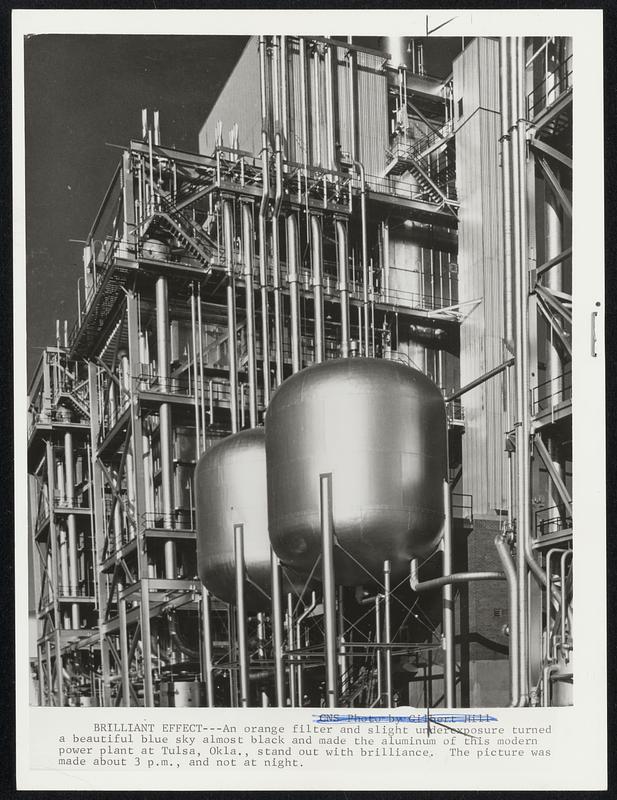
[380, 428]
[230, 488]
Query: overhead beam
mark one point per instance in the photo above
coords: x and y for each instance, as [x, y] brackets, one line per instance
[558, 259]
[556, 187]
[540, 145]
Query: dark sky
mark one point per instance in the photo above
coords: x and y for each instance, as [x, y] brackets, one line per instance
[83, 91]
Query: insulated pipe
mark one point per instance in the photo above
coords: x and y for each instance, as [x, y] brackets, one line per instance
[201, 446]
[294, 291]
[365, 265]
[247, 240]
[506, 173]
[207, 643]
[387, 578]
[341, 252]
[317, 266]
[522, 369]
[304, 103]
[231, 316]
[352, 106]
[243, 656]
[317, 109]
[278, 198]
[277, 629]
[330, 118]
[165, 431]
[503, 551]
[263, 235]
[329, 591]
[284, 104]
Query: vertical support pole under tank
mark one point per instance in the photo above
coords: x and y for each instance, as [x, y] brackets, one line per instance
[277, 629]
[243, 658]
[378, 649]
[387, 587]
[329, 591]
[207, 645]
[448, 603]
[290, 647]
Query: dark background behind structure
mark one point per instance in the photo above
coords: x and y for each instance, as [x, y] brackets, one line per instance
[84, 94]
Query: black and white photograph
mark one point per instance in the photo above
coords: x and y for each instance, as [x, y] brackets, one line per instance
[301, 330]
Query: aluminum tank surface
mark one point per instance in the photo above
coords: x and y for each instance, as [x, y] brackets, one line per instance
[380, 428]
[230, 488]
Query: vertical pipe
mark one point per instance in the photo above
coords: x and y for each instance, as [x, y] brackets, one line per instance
[124, 650]
[317, 267]
[506, 174]
[342, 660]
[291, 646]
[341, 252]
[278, 197]
[195, 372]
[522, 371]
[263, 207]
[448, 603]
[207, 644]
[352, 107]
[72, 527]
[317, 109]
[510, 573]
[284, 103]
[200, 342]
[378, 649]
[329, 592]
[151, 166]
[386, 260]
[294, 291]
[243, 656]
[231, 315]
[387, 579]
[165, 425]
[247, 241]
[306, 145]
[157, 128]
[365, 266]
[330, 117]
[277, 629]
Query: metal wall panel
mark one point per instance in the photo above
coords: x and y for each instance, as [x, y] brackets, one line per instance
[239, 101]
[480, 258]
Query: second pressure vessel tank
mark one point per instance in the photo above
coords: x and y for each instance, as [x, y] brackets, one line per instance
[230, 488]
[380, 428]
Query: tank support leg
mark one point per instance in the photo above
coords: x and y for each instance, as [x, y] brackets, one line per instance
[241, 615]
[207, 645]
[329, 592]
[387, 630]
[277, 629]
[448, 603]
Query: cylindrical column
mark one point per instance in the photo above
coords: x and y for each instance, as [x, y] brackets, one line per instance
[330, 117]
[317, 267]
[277, 629]
[243, 656]
[231, 315]
[294, 291]
[206, 630]
[124, 650]
[329, 591]
[247, 242]
[165, 428]
[448, 603]
[195, 372]
[506, 173]
[263, 207]
[72, 527]
[365, 264]
[387, 589]
[64, 560]
[510, 572]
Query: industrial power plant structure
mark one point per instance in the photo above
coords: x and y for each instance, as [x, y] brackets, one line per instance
[309, 440]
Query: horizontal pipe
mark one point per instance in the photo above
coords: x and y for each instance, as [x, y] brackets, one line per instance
[478, 381]
[445, 580]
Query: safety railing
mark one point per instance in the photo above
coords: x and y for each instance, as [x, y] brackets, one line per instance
[551, 393]
[181, 520]
[550, 88]
[84, 591]
[551, 520]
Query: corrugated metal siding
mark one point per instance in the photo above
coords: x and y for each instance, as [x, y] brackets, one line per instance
[478, 179]
[239, 101]
[372, 113]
